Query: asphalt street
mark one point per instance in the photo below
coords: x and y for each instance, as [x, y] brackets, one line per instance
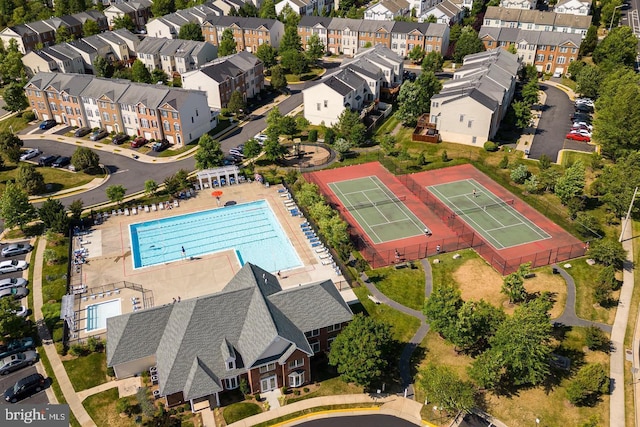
[360, 421]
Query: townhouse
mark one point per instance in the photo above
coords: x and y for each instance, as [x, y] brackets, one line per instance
[43, 33]
[175, 56]
[306, 7]
[390, 63]
[498, 17]
[447, 12]
[573, 7]
[387, 10]
[241, 72]
[469, 108]
[168, 26]
[549, 51]
[59, 58]
[248, 33]
[152, 111]
[518, 4]
[347, 36]
[253, 331]
[139, 11]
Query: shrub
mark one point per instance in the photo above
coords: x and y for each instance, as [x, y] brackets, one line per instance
[601, 293]
[61, 348]
[445, 156]
[491, 146]
[296, 392]
[285, 390]
[257, 397]
[504, 163]
[306, 389]
[111, 372]
[51, 257]
[544, 162]
[596, 339]
[29, 116]
[77, 350]
[147, 407]
[58, 334]
[123, 406]
[520, 174]
[590, 382]
[532, 184]
[607, 276]
[329, 136]
[95, 344]
[313, 135]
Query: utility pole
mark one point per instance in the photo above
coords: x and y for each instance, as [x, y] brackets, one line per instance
[626, 220]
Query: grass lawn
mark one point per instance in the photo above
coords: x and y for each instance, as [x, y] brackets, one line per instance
[280, 420]
[405, 286]
[177, 151]
[15, 123]
[585, 276]
[570, 157]
[239, 411]
[59, 179]
[631, 325]
[102, 409]
[88, 371]
[403, 326]
[329, 387]
[310, 75]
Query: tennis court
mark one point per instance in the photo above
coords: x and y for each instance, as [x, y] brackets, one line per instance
[380, 213]
[493, 218]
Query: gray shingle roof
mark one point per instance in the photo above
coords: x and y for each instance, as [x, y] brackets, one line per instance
[311, 21]
[338, 86]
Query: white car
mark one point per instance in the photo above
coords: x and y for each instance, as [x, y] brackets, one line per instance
[583, 125]
[585, 101]
[16, 282]
[13, 265]
[582, 132]
[30, 154]
[22, 311]
[261, 138]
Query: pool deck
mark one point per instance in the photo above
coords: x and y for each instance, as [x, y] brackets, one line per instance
[110, 264]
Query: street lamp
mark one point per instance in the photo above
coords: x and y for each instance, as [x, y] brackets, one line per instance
[613, 14]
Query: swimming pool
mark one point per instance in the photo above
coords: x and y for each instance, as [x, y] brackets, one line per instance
[250, 229]
[97, 314]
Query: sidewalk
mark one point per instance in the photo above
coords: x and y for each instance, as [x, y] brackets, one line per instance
[60, 374]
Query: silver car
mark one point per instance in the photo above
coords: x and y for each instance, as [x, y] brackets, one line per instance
[16, 293]
[16, 249]
[13, 265]
[15, 282]
[18, 361]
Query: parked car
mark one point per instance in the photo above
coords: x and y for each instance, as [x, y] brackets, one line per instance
[17, 361]
[161, 145]
[582, 108]
[47, 124]
[585, 101]
[261, 138]
[16, 346]
[16, 249]
[61, 162]
[12, 266]
[236, 153]
[120, 138]
[14, 282]
[578, 137]
[16, 293]
[139, 142]
[98, 134]
[22, 311]
[30, 154]
[581, 117]
[582, 125]
[47, 160]
[230, 161]
[24, 387]
[240, 148]
[557, 74]
[80, 132]
[582, 132]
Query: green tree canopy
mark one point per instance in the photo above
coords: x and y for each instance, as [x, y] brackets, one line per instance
[209, 154]
[251, 148]
[64, 35]
[476, 323]
[151, 187]
[360, 352]
[294, 61]
[530, 93]
[140, 73]
[521, 113]
[290, 40]
[267, 54]
[608, 252]
[162, 7]
[268, 10]
[102, 67]
[159, 76]
[115, 193]
[15, 208]
[433, 62]
[590, 382]
[29, 179]
[10, 145]
[445, 389]
[90, 28]
[54, 216]
[236, 103]
[588, 81]
[342, 147]
[417, 54]
[11, 325]
[616, 184]
[248, 10]
[571, 184]
[441, 310]
[191, 31]
[414, 98]
[467, 43]
[351, 128]
[227, 45]
[278, 78]
[85, 159]
[15, 97]
[123, 21]
[315, 48]
[618, 47]
[590, 41]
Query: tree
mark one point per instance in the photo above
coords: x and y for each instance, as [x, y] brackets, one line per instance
[15, 97]
[597, 339]
[294, 61]
[267, 54]
[522, 113]
[11, 325]
[361, 350]
[76, 209]
[476, 323]
[102, 67]
[574, 69]
[278, 78]
[29, 179]
[590, 382]
[441, 310]
[290, 40]
[115, 193]
[162, 7]
[351, 128]
[618, 48]
[151, 187]
[124, 21]
[15, 208]
[227, 44]
[54, 216]
[248, 10]
[64, 35]
[177, 182]
[588, 81]
[90, 28]
[272, 148]
[417, 54]
[616, 184]
[85, 159]
[159, 76]
[433, 62]
[610, 12]
[590, 42]
[315, 48]
[571, 184]
[140, 73]
[12, 67]
[288, 126]
[191, 31]
[342, 147]
[608, 252]
[209, 154]
[236, 103]
[289, 17]
[251, 149]
[513, 287]
[467, 43]
[268, 10]
[445, 389]
[10, 145]
[415, 97]
[530, 93]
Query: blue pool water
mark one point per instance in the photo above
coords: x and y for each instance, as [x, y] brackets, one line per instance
[250, 229]
[97, 314]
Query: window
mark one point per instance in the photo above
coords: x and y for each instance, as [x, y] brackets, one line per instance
[561, 60]
[196, 113]
[164, 113]
[461, 118]
[144, 123]
[174, 115]
[563, 49]
[231, 383]
[296, 363]
[326, 103]
[105, 116]
[553, 48]
[152, 113]
[103, 104]
[333, 328]
[176, 126]
[550, 58]
[473, 140]
[166, 125]
[539, 58]
[296, 379]
[315, 346]
[329, 342]
[470, 123]
[231, 365]
[313, 333]
[318, 106]
[268, 367]
[54, 107]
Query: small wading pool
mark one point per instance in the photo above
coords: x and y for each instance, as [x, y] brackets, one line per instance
[251, 230]
[97, 314]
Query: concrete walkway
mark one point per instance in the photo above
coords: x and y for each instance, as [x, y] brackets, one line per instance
[60, 374]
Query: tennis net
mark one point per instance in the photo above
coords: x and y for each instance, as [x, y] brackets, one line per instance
[372, 203]
[485, 207]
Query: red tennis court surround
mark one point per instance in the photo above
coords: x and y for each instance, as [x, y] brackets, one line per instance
[449, 232]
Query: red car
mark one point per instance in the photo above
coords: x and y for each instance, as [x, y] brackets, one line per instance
[578, 137]
[138, 142]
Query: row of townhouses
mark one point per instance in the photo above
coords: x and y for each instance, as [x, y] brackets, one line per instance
[138, 10]
[175, 56]
[470, 106]
[43, 33]
[357, 84]
[387, 10]
[499, 17]
[152, 111]
[446, 12]
[307, 7]
[573, 7]
[248, 33]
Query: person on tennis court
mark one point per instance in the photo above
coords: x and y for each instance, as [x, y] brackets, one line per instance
[475, 194]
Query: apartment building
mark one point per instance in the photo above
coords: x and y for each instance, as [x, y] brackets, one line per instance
[168, 26]
[248, 33]
[175, 56]
[305, 7]
[153, 111]
[429, 36]
[325, 101]
[390, 63]
[573, 7]
[535, 20]
[241, 72]
[447, 12]
[387, 10]
[139, 11]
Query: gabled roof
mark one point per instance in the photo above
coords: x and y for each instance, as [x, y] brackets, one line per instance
[380, 54]
[239, 21]
[363, 66]
[373, 26]
[312, 21]
[344, 23]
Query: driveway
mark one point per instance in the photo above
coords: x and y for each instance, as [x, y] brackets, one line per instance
[9, 380]
[554, 124]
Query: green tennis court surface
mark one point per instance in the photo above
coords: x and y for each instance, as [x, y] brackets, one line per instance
[493, 218]
[379, 212]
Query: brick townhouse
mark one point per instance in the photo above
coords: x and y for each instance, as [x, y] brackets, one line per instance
[248, 33]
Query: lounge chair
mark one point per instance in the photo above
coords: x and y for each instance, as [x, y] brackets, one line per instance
[114, 213]
[134, 211]
[304, 224]
[321, 250]
[161, 206]
[315, 244]
[325, 256]
[140, 208]
[292, 207]
[314, 240]
[310, 235]
[126, 211]
[153, 207]
[327, 261]
[287, 195]
[294, 212]
[120, 212]
[146, 208]
[176, 203]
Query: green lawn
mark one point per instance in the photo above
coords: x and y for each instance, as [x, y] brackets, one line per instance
[570, 157]
[59, 179]
[102, 409]
[239, 411]
[585, 276]
[405, 286]
[309, 75]
[329, 387]
[14, 123]
[86, 372]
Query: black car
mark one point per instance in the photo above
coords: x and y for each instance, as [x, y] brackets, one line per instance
[81, 132]
[47, 124]
[61, 162]
[120, 138]
[47, 160]
[161, 145]
[25, 387]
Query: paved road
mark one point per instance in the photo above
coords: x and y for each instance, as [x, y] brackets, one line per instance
[9, 380]
[554, 124]
[359, 421]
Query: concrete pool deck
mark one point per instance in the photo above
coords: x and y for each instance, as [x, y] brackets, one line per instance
[110, 260]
